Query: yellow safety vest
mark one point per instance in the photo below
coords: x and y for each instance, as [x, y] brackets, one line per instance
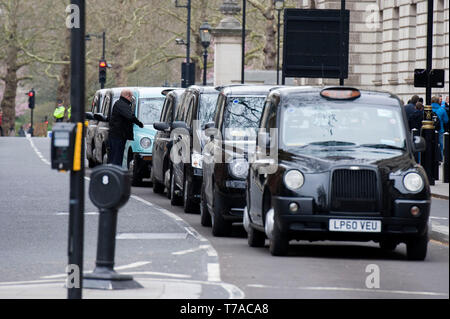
[59, 112]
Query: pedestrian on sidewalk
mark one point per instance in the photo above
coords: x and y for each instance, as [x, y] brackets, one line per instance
[416, 118]
[410, 108]
[443, 119]
[121, 127]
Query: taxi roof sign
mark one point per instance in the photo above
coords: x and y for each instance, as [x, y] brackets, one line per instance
[340, 93]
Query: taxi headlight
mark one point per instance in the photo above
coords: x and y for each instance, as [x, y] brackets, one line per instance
[294, 179]
[197, 160]
[239, 168]
[145, 142]
[413, 182]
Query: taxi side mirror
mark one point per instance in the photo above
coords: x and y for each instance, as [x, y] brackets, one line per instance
[100, 117]
[89, 116]
[161, 126]
[419, 144]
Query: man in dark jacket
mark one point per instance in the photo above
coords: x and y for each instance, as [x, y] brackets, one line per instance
[410, 108]
[121, 127]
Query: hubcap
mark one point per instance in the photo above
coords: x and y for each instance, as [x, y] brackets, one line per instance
[269, 223]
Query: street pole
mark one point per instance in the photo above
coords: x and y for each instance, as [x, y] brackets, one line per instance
[244, 13]
[429, 51]
[188, 44]
[341, 47]
[278, 49]
[76, 217]
[205, 61]
[31, 128]
[104, 44]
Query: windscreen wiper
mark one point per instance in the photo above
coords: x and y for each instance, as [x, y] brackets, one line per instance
[387, 146]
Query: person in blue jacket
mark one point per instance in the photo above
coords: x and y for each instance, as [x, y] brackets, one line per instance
[443, 118]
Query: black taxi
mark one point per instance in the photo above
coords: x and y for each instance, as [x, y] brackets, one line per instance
[336, 163]
[225, 158]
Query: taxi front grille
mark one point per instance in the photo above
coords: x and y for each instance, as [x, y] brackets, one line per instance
[354, 191]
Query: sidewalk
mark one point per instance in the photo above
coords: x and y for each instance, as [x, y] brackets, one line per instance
[439, 190]
[152, 289]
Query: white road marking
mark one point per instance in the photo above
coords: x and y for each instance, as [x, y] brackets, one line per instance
[439, 228]
[152, 236]
[209, 250]
[195, 234]
[38, 153]
[133, 265]
[213, 272]
[439, 218]
[87, 213]
[157, 274]
[402, 292]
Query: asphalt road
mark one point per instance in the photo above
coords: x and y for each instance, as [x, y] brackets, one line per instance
[160, 241]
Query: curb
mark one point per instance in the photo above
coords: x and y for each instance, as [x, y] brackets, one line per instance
[440, 196]
[437, 235]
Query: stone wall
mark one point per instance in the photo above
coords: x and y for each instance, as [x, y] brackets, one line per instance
[388, 41]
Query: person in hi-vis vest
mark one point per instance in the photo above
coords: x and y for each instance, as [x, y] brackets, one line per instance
[58, 114]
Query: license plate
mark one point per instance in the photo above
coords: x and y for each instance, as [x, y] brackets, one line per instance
[355, 225]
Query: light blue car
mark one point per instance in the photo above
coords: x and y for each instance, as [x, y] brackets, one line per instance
[137, 156]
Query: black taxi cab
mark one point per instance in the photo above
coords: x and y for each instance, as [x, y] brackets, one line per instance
[225, 157]
[336, 163]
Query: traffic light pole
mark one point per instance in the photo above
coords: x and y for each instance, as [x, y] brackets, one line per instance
[429, 51]
[31, 128]
[77, 92]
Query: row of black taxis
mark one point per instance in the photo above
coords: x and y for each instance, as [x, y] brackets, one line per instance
[294, 163]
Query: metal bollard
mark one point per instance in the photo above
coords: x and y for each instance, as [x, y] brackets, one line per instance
[427, 132]
[109, 189]
[416, 132]
[437, 156]
[446, 157]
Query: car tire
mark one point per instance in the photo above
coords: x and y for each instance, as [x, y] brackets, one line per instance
[190, 207]
[175, 200]
[220, 227]
[91, 163]
[167, 175]
[158, 188]
[388, 245]
[279, 243]
[416, 249]
[136, 179]
[205, 217]
[255, 238]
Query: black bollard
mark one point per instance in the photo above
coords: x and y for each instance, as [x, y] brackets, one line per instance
[437, 156]
[109, 190]
[446, 157]
[416, 132]
[427, 132]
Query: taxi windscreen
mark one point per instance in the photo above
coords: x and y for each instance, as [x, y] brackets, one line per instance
[149, 109]
[328, 123]
[241, 117]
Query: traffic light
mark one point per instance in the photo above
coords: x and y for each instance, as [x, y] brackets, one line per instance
[31, 97]
[102, 72]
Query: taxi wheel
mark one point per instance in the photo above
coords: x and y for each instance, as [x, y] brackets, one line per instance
[91, 163]
[136, 180]
[279, 243]
[255, 238]
[205, 217]
[416, 249]
[220, 227]
[388, 245]
[175, 200]
[158, 188]
[190, 207]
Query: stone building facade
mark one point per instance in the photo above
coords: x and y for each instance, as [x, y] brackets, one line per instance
[388, 41]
